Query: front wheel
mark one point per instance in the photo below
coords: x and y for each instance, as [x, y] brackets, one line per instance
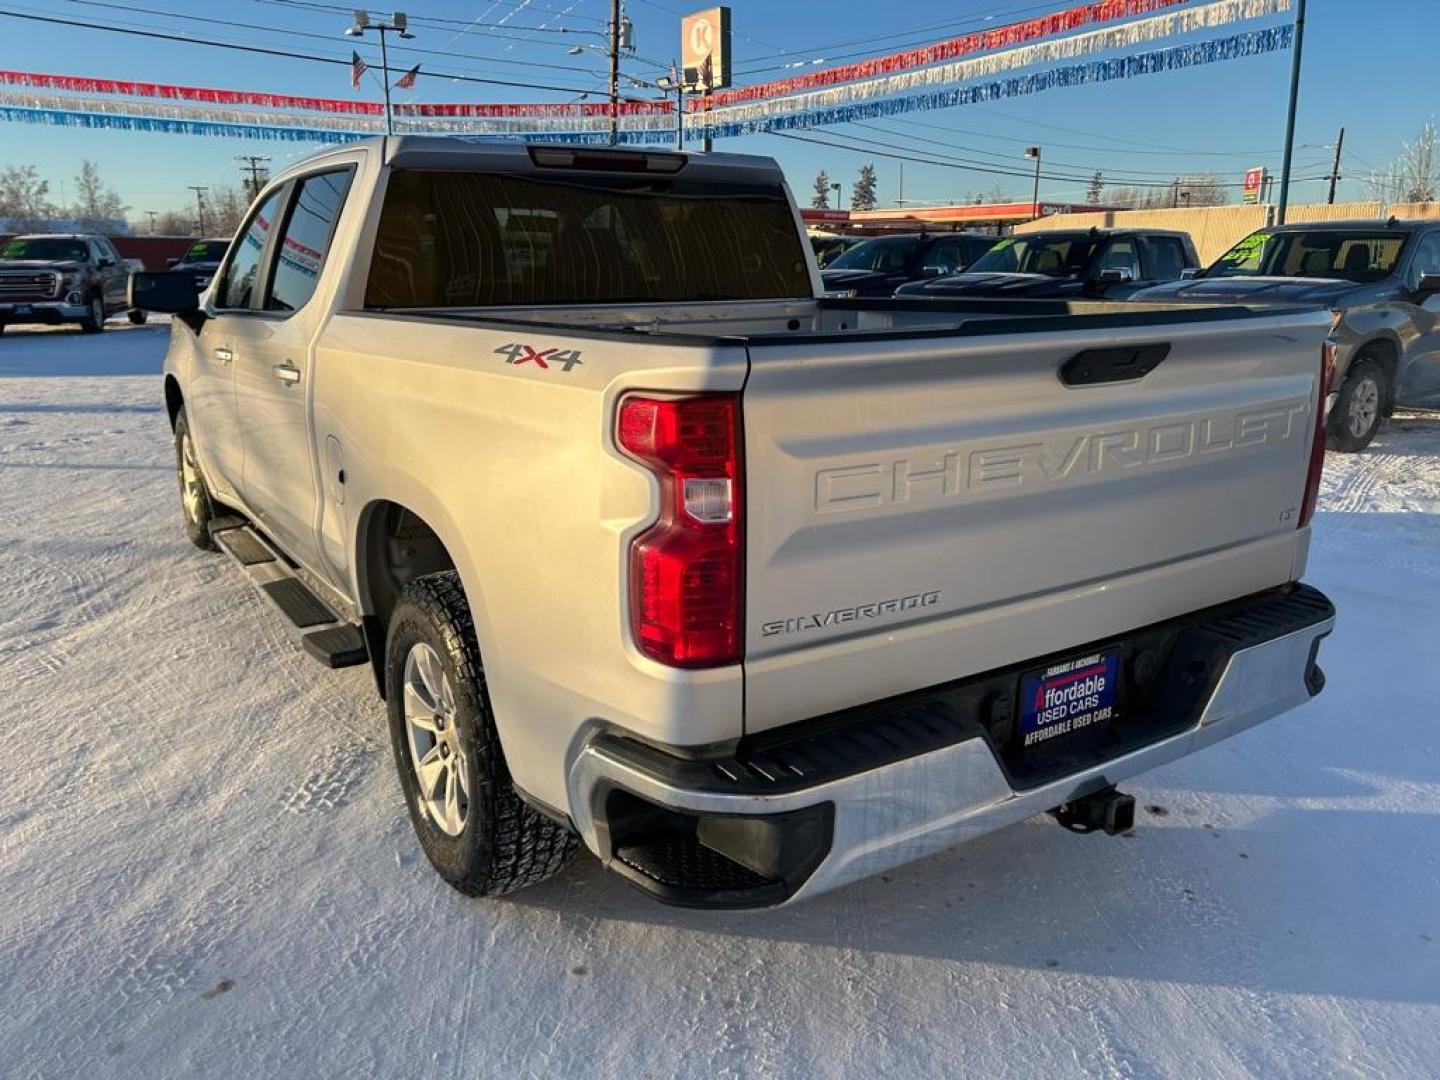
[475, 830]
[1359, 407]
[94, 319]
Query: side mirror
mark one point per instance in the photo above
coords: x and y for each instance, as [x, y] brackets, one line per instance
[1116, 276]
[1189, 272]
[105, 262]
[933, 271]
[170, 262]
[170, 292]
[1429, 285]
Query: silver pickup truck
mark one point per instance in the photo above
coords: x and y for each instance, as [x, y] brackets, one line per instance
[754, 592]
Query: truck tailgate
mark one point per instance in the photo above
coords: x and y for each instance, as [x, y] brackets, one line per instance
[922, 508]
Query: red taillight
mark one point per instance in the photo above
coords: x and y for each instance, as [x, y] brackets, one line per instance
[1317, 446]
[687, 570]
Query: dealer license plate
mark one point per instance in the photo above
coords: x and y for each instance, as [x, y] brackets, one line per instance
[24, 309]
[1067, 698]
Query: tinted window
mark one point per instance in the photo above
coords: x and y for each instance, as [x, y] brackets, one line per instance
[306, 239]
[238, 291]
[1167, 257]
[48, 249]
[891, 254]
[1341, 255]
[1053, 256]
[461, 239]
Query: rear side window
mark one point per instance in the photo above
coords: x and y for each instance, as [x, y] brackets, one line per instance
[467, 239]
[306, 239]
[238, 289]
[1167, 257]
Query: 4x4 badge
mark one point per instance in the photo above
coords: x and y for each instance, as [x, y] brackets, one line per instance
[517, 354]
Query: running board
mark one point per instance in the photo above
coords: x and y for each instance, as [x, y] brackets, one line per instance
[321, 633]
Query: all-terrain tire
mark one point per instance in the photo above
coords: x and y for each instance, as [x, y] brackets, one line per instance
[1359, 407]
[94, 320]
[196, 506]
[503, 844]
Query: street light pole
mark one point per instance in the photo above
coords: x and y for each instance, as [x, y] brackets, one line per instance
[399, 24]
[199, 205]
[1034, 152]
[838, 199]
[1290, 115]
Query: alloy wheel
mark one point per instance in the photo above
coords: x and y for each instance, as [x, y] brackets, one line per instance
[435, 751]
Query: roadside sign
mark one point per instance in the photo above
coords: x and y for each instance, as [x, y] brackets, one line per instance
[705, 44]
[1254, 183]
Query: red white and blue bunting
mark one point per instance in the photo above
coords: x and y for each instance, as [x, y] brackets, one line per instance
[1205, 17]
[1176, 58]
[77, 101]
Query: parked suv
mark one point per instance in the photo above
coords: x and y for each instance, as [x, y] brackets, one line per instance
[61, 279]
[1088, 263]
[877, 267]
[1379, 278]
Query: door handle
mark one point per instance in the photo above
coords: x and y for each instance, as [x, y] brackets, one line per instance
[287, 372]
[224, 355]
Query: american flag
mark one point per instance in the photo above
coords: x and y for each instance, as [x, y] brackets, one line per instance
[406, 81]
[357, 68]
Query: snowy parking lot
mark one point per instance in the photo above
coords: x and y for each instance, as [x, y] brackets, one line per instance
[206, 868]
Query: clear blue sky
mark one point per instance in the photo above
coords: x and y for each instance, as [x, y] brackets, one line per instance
[1368, 65]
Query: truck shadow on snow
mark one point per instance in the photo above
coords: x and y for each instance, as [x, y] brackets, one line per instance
[1335, 903]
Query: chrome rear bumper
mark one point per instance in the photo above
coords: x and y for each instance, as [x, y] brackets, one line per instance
[910, 808]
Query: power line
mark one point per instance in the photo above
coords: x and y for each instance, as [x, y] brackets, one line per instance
[263, 51]
[289, 32]
[1118, 172]
[939, 160]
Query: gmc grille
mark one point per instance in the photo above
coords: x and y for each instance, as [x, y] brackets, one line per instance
[29, 285]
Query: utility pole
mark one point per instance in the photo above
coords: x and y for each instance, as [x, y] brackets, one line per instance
[398, 24]
[836, 188]
[152, 214]
[1290, 115]
[254, 164]
[1335, 169]
[901, 200]
[199, 190]
[614, 72]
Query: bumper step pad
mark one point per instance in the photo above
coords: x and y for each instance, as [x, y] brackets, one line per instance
[322, 633]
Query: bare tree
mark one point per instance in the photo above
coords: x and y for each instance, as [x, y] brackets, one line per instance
[224, 210]
[24, 198]
[97, 207]
[1414, 176]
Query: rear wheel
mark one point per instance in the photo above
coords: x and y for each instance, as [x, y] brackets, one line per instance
[475, 830]
[136, 317]
[1359, 407]
[94, 320]
[195, 502]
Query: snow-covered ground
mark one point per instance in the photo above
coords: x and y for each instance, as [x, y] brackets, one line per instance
[206, 870]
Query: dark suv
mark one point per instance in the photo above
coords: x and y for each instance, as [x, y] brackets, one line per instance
[1382, 281]
[1068, 263]
[880, 265]
[61, 279]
